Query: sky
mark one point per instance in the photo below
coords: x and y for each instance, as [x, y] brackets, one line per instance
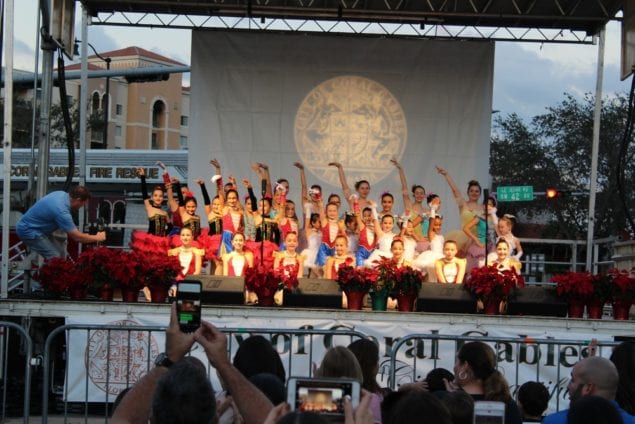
[528, 77]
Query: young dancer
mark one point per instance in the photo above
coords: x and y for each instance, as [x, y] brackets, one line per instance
[331, 227]
[384, 235]
[503, 260]
[340, 257]
[426, 260]
[367, 242]
[362, 187]
[239, 259]
[283, 260]
[154, 239]
[450, 269]
[186, 210]
[190, 257]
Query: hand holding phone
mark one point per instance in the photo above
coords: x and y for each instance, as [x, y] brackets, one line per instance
[188, 305]
[324, 396]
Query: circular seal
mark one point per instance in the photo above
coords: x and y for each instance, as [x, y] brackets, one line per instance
[352, 120]
[118, 359]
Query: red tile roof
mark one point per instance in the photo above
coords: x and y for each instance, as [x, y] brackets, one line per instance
[137, 51]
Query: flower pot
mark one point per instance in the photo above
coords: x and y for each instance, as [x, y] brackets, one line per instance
[266, 297]
[106, 293]
[406, 302]
[158, 294]
[77, 293]
[379, 301]
[575, 309]
[129, 294]
[491, 305]
[354, 300]
[621, 309]
[594, 309]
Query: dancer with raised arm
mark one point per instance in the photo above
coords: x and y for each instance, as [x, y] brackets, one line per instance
[155, 239]
[469, 209]
[313, 235]
[367, 242]
[427, 259]
[362, 187]
[384, 235]
[331, 227]
[186, 211]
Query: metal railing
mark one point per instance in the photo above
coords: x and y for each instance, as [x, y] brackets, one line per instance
[7, 346]
[515, 356]
[116, 356]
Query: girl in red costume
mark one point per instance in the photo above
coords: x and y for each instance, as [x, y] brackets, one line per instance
[210, 238]
[239, 259]
[190, 257]
[155, 239]
[341, 257]
[232, 212]
[331, 227]
[367, 241]
[187, 211]
[288, 258]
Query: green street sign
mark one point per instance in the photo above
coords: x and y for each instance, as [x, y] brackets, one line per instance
[515, 193]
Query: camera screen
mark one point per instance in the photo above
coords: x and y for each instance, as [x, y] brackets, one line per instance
[188, 306]
[321, 398]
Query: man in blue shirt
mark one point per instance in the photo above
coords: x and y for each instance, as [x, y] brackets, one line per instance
[591, 376]
[50, 213]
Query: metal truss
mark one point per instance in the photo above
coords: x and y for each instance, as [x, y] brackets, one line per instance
[404, 30]
[545, 21]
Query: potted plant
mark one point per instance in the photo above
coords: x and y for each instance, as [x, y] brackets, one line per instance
[127, 274]
[385, 283]
[601, 294]
[61, 276]
[407, 283]
[266, 281]
[95, 263]
[159, 273]
[355, 282]
[622, 292]
[575, 288]
[491, 286]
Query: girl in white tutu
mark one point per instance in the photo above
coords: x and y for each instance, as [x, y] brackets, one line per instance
[313, 235]
[384, 236]
[426, 260]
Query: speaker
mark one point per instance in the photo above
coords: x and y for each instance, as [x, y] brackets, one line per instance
[219, 290]
[536, 300]
[449, 298]
[315, 293]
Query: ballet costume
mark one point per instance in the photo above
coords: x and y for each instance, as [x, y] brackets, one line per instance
[236, 266]
[426, 260]
[365, 245]
[327, 246]
[269, 235]
[285, 229]
[382, 250]
[310, 253]
[450, 270]
[154, 240]
[476, 254]
[232, 223]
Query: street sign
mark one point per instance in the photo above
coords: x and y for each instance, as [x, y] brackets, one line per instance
[515, 193]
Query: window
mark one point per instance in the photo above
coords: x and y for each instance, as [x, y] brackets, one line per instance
[95, 102]
[184, 120]
[183, 141]
[69, 100]
[158, 113]
[154, 145]
[118, 109]
[118, 130]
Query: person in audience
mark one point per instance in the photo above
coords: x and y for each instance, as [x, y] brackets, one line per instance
[177, 387]
[450, 269]
[592, 409]
[271, 386]
[414, 407]
[255, 356]
[435, 379]
[533, 400]
[460, 405]
[623, 357]
[591, 376]
[367, 353]
[340, 362]
[476, 374]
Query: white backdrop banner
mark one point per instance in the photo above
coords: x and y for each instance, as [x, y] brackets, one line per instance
[99, 365]
[281, 98]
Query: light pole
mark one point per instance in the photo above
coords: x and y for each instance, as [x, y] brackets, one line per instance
[105, 103]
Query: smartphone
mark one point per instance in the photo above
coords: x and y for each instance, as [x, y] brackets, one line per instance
[489, 412]
[188, 305]
[324, 396]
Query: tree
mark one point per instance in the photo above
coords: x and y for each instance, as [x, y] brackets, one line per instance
[22, 118]
[554, 150]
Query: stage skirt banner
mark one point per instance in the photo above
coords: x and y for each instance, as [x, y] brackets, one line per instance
[281, 98]
[104, 363]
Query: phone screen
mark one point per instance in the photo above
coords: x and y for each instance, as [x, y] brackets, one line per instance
[188, 305]
[322, 397]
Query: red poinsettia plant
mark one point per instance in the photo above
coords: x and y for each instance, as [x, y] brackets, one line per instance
[623, 285]
[58, 275]
[489, 281]
[407, 280]
[158, 270]
[351, 279]
[574, 285]
[261, 277]
[96, 264]
[386, 277]
[126, 270]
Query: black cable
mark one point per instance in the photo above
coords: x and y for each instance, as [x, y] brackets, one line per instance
[622, 159]
[68, 125]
